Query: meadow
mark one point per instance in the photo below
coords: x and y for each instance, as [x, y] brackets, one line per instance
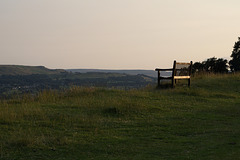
[200, 122]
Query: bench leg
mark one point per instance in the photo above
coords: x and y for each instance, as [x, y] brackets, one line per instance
[189, 82]
[173, 82]
[158, 78]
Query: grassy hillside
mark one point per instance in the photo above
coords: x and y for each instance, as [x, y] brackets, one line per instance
[27, 70]
[201, 122]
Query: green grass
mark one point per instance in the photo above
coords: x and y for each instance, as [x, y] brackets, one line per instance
[201, 122]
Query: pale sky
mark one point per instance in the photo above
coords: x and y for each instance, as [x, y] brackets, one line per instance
[116, 34]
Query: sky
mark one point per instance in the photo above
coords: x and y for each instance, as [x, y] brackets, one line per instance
[116, 34]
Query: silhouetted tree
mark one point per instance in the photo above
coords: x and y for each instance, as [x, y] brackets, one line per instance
[221, 66]
[235, 62]
[211, 65]
[197, 67]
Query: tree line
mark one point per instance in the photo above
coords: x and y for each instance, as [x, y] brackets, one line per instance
[220, 65]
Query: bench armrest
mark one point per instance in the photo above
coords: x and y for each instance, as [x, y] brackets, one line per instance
[158, 69]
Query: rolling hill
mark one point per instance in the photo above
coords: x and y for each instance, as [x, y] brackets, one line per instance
[150, 73]
[15, 79]
[27, 70]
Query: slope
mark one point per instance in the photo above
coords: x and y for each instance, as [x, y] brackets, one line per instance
[27, 70]
[201, 122]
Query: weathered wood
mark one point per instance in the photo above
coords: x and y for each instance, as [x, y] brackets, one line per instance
[181, 77]
[183, 73]
[158, 78]
[173, 73]
[183, 63]
[169, 69]
[190, 72]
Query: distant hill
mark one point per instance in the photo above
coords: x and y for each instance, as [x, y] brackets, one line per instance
[27, 70]
[150, 73]
[33, 83]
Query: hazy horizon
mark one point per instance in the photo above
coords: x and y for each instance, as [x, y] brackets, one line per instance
[111, 34]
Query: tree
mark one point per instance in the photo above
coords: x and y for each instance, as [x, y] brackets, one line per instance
[235, 62]
[221, 66]
[198, 67]
[211, 65]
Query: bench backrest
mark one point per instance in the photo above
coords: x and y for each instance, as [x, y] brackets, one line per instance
[182, 69]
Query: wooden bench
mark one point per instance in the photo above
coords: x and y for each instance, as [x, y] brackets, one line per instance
[179, 71]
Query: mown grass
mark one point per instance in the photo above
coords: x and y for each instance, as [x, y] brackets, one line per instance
[201, 122]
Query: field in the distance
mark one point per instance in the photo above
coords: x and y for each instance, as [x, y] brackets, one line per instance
[201, 122]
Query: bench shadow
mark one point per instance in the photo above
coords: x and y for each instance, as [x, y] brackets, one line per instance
[164, 86]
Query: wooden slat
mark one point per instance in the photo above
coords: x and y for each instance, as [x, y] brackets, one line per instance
[181, 77]
[183, 63]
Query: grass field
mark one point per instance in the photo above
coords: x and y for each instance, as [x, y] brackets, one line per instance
[201, 122]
